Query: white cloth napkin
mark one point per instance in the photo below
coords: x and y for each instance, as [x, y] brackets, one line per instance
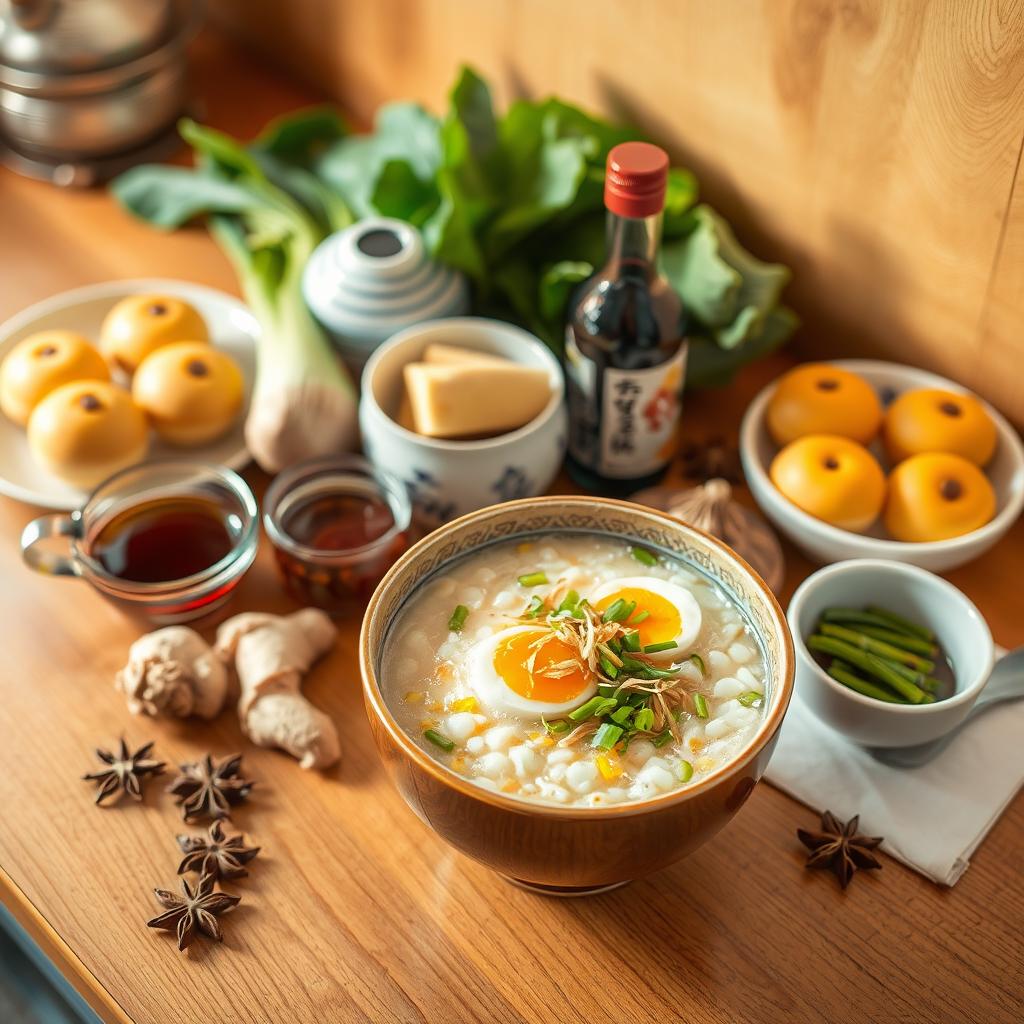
[933, 817]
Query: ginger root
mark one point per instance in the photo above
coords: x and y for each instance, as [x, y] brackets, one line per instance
[173, 671]
[271, 655]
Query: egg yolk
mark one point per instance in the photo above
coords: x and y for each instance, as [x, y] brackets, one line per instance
[664, 621]
[512, 663]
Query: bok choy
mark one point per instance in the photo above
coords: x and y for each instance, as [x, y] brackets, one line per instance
[268, 214]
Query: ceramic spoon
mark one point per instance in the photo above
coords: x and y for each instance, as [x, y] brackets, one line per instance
[1005, 683]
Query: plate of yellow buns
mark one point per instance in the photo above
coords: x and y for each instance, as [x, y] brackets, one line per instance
[861, 458]
[103, 377]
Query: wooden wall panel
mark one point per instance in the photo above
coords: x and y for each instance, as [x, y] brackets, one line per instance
[873, 146]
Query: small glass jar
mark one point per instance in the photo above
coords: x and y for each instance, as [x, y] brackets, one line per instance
[337, 525]
[147, 491]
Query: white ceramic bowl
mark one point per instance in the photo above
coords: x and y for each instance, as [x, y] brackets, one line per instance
[450, 478]
[822, 542]
[920, 596]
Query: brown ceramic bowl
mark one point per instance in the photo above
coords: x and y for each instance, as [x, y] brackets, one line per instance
[570, 850]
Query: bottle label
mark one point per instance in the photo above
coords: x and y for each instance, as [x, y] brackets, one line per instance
[633, 432]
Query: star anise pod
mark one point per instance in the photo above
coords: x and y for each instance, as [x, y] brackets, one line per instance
[216, 854]
[195, 911]
[124, 771]
[840, 848]
[208, 790]
[710, 459]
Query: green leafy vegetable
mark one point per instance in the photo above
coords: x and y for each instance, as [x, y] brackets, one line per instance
[303, 402]
[513, 198]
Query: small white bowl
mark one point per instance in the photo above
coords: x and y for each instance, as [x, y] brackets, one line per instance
[920, 596]
[450, 478]
[822, 542]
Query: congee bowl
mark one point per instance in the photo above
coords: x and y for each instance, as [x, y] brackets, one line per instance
[823, 542]
[447, 479]
[553, 848]
[921, 597]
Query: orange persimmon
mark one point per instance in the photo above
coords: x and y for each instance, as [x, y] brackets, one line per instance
[933, 420]
[832, 478]
[819, 398]
[935, 496]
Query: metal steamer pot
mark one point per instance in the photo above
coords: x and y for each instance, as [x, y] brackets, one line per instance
[85, 84]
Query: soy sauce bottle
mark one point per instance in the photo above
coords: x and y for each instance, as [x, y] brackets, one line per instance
[625, 353]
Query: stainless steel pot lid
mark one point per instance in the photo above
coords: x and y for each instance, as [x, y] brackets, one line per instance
[65, 36]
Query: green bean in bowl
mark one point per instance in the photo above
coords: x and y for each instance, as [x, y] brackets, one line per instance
[881, 654]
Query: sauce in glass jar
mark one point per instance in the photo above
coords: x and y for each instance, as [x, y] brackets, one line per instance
[337, 525]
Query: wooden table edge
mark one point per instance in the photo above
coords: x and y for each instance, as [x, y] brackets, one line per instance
[43, 934]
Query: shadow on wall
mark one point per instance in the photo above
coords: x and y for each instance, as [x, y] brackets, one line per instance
[811, 292]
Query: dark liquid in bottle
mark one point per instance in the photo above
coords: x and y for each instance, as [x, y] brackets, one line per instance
[627, 322]
[162, 540]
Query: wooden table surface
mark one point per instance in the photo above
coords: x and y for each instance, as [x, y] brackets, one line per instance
[354, 910]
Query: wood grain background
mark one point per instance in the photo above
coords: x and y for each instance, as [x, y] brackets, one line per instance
[874, 147]
[355, 911]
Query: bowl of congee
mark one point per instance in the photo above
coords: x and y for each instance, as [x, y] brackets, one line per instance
[574, 691]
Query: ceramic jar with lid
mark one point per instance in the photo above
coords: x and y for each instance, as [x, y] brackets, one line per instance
[375, 278]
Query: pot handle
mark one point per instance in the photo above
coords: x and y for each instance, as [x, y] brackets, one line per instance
[49, 563]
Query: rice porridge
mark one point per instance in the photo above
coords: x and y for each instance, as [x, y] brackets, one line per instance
[574, 669]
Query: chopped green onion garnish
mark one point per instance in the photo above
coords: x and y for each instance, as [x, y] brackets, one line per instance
[641, 668]
[620, 716]
[594, 708]
[607, 689]
[458, 618]
[533, 579]
[631, 642]
[586, 710]
[569, 603]
[637, 619]
[616, 611]
[700, 705]
[662, 738]
[751, 698]
[684, 771]
[606, 737]
[440, 740]
[643, 720]
[667, 645]
[559, 725]
[607, 667]
[699, 662]
[644, 556]
[537, 606]
[637, 700]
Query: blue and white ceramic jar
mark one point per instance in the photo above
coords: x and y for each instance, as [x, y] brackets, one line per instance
[374, 279]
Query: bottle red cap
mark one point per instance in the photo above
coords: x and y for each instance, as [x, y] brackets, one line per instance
[635, 179]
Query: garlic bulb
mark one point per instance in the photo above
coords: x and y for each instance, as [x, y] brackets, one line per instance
[711, 508]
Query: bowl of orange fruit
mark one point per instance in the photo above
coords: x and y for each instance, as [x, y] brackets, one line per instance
[863, 458]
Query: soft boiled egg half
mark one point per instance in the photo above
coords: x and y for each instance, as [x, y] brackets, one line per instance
[504, 678]
[673, 615]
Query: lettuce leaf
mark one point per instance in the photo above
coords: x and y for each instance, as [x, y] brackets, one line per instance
[512, 198]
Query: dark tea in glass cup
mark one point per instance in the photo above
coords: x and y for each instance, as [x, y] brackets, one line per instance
[171, 538]
[337, 525]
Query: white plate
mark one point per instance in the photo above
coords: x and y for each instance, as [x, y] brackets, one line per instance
[825, 543]
[232, 327]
